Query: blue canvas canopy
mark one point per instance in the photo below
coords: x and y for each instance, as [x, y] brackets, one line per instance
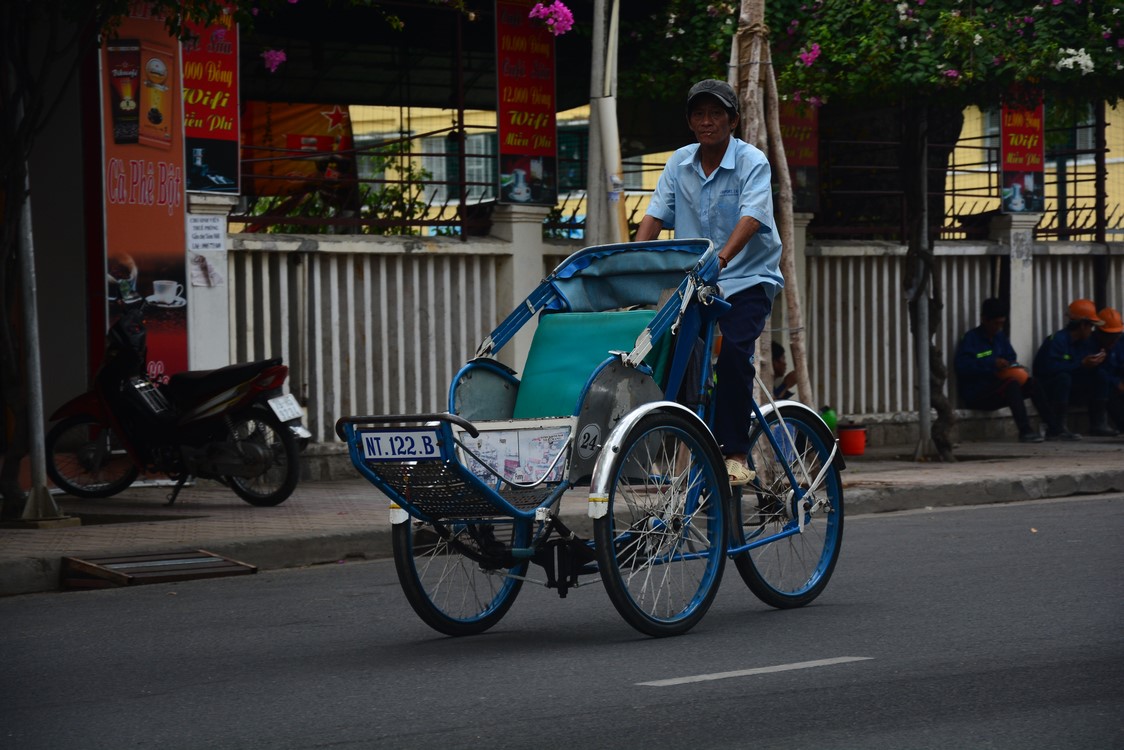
[612, 277]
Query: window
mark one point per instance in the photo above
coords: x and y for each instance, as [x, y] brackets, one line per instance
[443, 166]
[992, 119]
[573, 150]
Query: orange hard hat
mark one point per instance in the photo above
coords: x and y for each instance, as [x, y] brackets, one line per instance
[1084, 309]
[1111, 320]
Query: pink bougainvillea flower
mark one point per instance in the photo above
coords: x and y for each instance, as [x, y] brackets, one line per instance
[952, 73]
[809, 57]
[273, 59]
[557, 16]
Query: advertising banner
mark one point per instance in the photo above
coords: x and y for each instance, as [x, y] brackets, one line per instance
[800, 130]
[290, 145]
[528, 138]
[143, 183]
[1022, 155]
[210, 108]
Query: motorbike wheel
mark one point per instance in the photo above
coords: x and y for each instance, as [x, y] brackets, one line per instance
[276, 483]
[85, 458]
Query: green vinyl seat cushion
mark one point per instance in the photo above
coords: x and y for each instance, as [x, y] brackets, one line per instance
[566, 350]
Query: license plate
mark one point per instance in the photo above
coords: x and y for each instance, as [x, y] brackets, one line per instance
[286, 407]
[400, 445]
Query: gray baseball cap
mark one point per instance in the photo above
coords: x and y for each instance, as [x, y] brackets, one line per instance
[720, 90]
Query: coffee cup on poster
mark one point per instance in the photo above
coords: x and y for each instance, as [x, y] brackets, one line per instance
[166, 292]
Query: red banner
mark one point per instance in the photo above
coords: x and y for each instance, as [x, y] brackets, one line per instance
[528, 143]
[210, 108]
[1022, 147]
[800, 130]
[143, 183]
[290, 145]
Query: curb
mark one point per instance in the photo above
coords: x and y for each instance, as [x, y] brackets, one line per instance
[872, 496]
[862, 496]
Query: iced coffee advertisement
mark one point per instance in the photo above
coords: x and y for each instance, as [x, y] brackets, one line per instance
[143, 185]
[210, 108]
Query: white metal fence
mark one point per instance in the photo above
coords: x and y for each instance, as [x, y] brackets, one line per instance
[363, 333]
[859, 342]
[379, 333]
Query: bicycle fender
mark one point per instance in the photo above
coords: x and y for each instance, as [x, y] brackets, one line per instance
[602, 474]
[816, 421]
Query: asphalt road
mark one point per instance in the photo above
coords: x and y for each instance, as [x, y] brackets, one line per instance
[983, 627]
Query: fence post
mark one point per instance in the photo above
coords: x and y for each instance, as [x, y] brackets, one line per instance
[521, 272]
[206, 291]
[1016, 231]
[780, 322]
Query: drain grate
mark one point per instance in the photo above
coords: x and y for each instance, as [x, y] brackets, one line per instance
[163, 567]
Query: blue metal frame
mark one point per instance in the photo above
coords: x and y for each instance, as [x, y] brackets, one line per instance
[791, 528]
[621, 274]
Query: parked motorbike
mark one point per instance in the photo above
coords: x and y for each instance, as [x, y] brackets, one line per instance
[232, 424]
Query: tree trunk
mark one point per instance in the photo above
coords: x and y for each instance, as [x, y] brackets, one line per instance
[753, 76]
[920, 276]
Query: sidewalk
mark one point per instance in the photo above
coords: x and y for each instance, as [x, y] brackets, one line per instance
[327, 522]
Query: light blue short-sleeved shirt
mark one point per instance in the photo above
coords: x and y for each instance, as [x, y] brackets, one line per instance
[695, 205]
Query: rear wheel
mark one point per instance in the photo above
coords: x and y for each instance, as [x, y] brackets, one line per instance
[793, 570]
[661, 544]
[262, 432]
[85, 458]
[458, 577]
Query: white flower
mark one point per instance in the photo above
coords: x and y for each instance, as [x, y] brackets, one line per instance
[1079, 57]
[977, 40]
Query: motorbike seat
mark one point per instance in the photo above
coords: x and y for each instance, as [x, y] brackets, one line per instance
[186, 387]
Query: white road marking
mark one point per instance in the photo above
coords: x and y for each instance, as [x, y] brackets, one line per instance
[758, 670]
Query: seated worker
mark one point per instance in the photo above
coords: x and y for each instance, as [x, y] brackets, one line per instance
[989, 376]
[782, 381]
[1067, 363]
[1112, 371]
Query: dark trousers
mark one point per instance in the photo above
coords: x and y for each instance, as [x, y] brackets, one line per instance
[1079, 386]
[1008, 393]
[733, 394]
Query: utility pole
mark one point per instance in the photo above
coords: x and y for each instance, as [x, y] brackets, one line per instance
[605, 220]
[40, 509]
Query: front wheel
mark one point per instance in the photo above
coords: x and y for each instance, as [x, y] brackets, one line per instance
[85, 458]
[261, 431]
[793, 569]
[459, 577]
[661, 544]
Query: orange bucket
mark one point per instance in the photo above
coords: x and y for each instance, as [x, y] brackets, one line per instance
[852, 440]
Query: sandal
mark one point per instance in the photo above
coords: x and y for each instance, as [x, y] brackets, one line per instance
[739, 473]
